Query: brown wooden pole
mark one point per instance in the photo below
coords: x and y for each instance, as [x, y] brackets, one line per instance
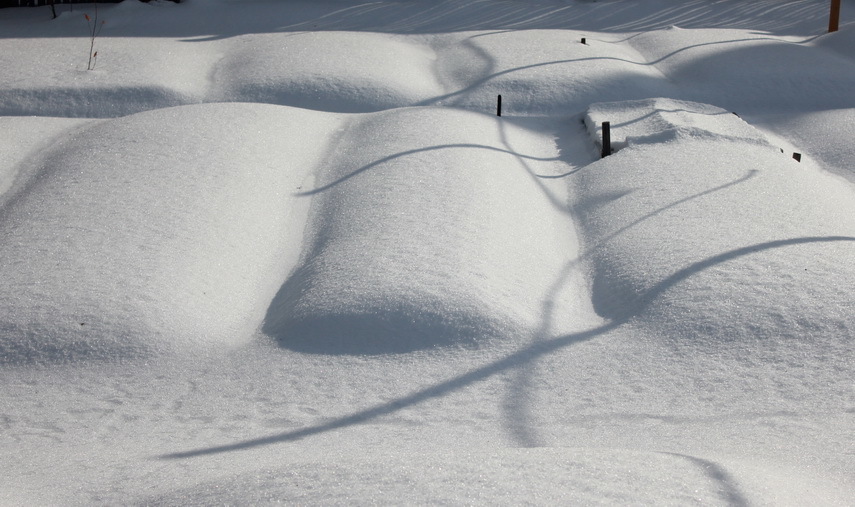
[834, 17]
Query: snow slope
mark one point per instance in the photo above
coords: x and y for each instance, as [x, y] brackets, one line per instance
[286, 252]
[126, 215]
[376, 278]
[770, 292]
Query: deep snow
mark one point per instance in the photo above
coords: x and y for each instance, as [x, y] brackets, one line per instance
[286, 252]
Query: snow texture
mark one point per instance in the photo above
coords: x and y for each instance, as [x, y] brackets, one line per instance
[287, 252]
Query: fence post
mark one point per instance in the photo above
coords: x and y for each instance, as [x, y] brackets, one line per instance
[607, 139]
[834, 17]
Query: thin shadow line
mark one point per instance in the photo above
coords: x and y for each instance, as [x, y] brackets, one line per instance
[512, 360]
[520, 403]
[752, 173]
[659, 110]
[657, 290]
[651, 63]
[559, 176]
[518, 399]
[412, 152]
[434, 391]
[732, 493]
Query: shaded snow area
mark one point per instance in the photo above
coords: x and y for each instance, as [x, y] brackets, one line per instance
[287, 252]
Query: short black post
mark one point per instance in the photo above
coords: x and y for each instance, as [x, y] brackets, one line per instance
[583, 41]
[797, 157]
[607, 139]
[834, 16]
[499, 107]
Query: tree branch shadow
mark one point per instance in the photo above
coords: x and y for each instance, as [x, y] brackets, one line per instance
[731, 493]
[513, 360]
[383, 160]
[541, 345]
[490, 77]
[519, 397]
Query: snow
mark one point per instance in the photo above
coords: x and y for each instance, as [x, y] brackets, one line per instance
[349, 72]
[709, 64]
[465, 185]
[660, 120]
[286, 252]
[123, 215]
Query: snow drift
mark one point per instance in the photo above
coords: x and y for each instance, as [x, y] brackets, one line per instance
[672, 230]
[406, 250]
[333, 71]
[405, 298]
[154, 231]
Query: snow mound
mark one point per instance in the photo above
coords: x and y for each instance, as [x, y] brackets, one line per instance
[331, 71]
[663, 120]
[428, 236]
[155, 231]
[841, 41]
[124, 80]
[824, 136]
[676, 245]
[21, 145]
[542, 71]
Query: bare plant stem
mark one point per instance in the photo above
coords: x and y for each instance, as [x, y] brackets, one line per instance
[94, 30]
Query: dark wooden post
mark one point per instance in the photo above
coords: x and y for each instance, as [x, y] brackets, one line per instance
[499, 107]
[834, 17]
[607, 139]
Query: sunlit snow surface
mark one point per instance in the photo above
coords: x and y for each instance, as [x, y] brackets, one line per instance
[287, 252]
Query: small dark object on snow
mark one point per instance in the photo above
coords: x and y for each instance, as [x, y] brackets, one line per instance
[607, 139]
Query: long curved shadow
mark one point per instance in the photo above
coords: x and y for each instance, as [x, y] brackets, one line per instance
[657, 290]
[434, 391]
[518, 400]
[367, 167]
[750, 174]
[540, 346]
[512, 360]
[640, 119]
[486, 79]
